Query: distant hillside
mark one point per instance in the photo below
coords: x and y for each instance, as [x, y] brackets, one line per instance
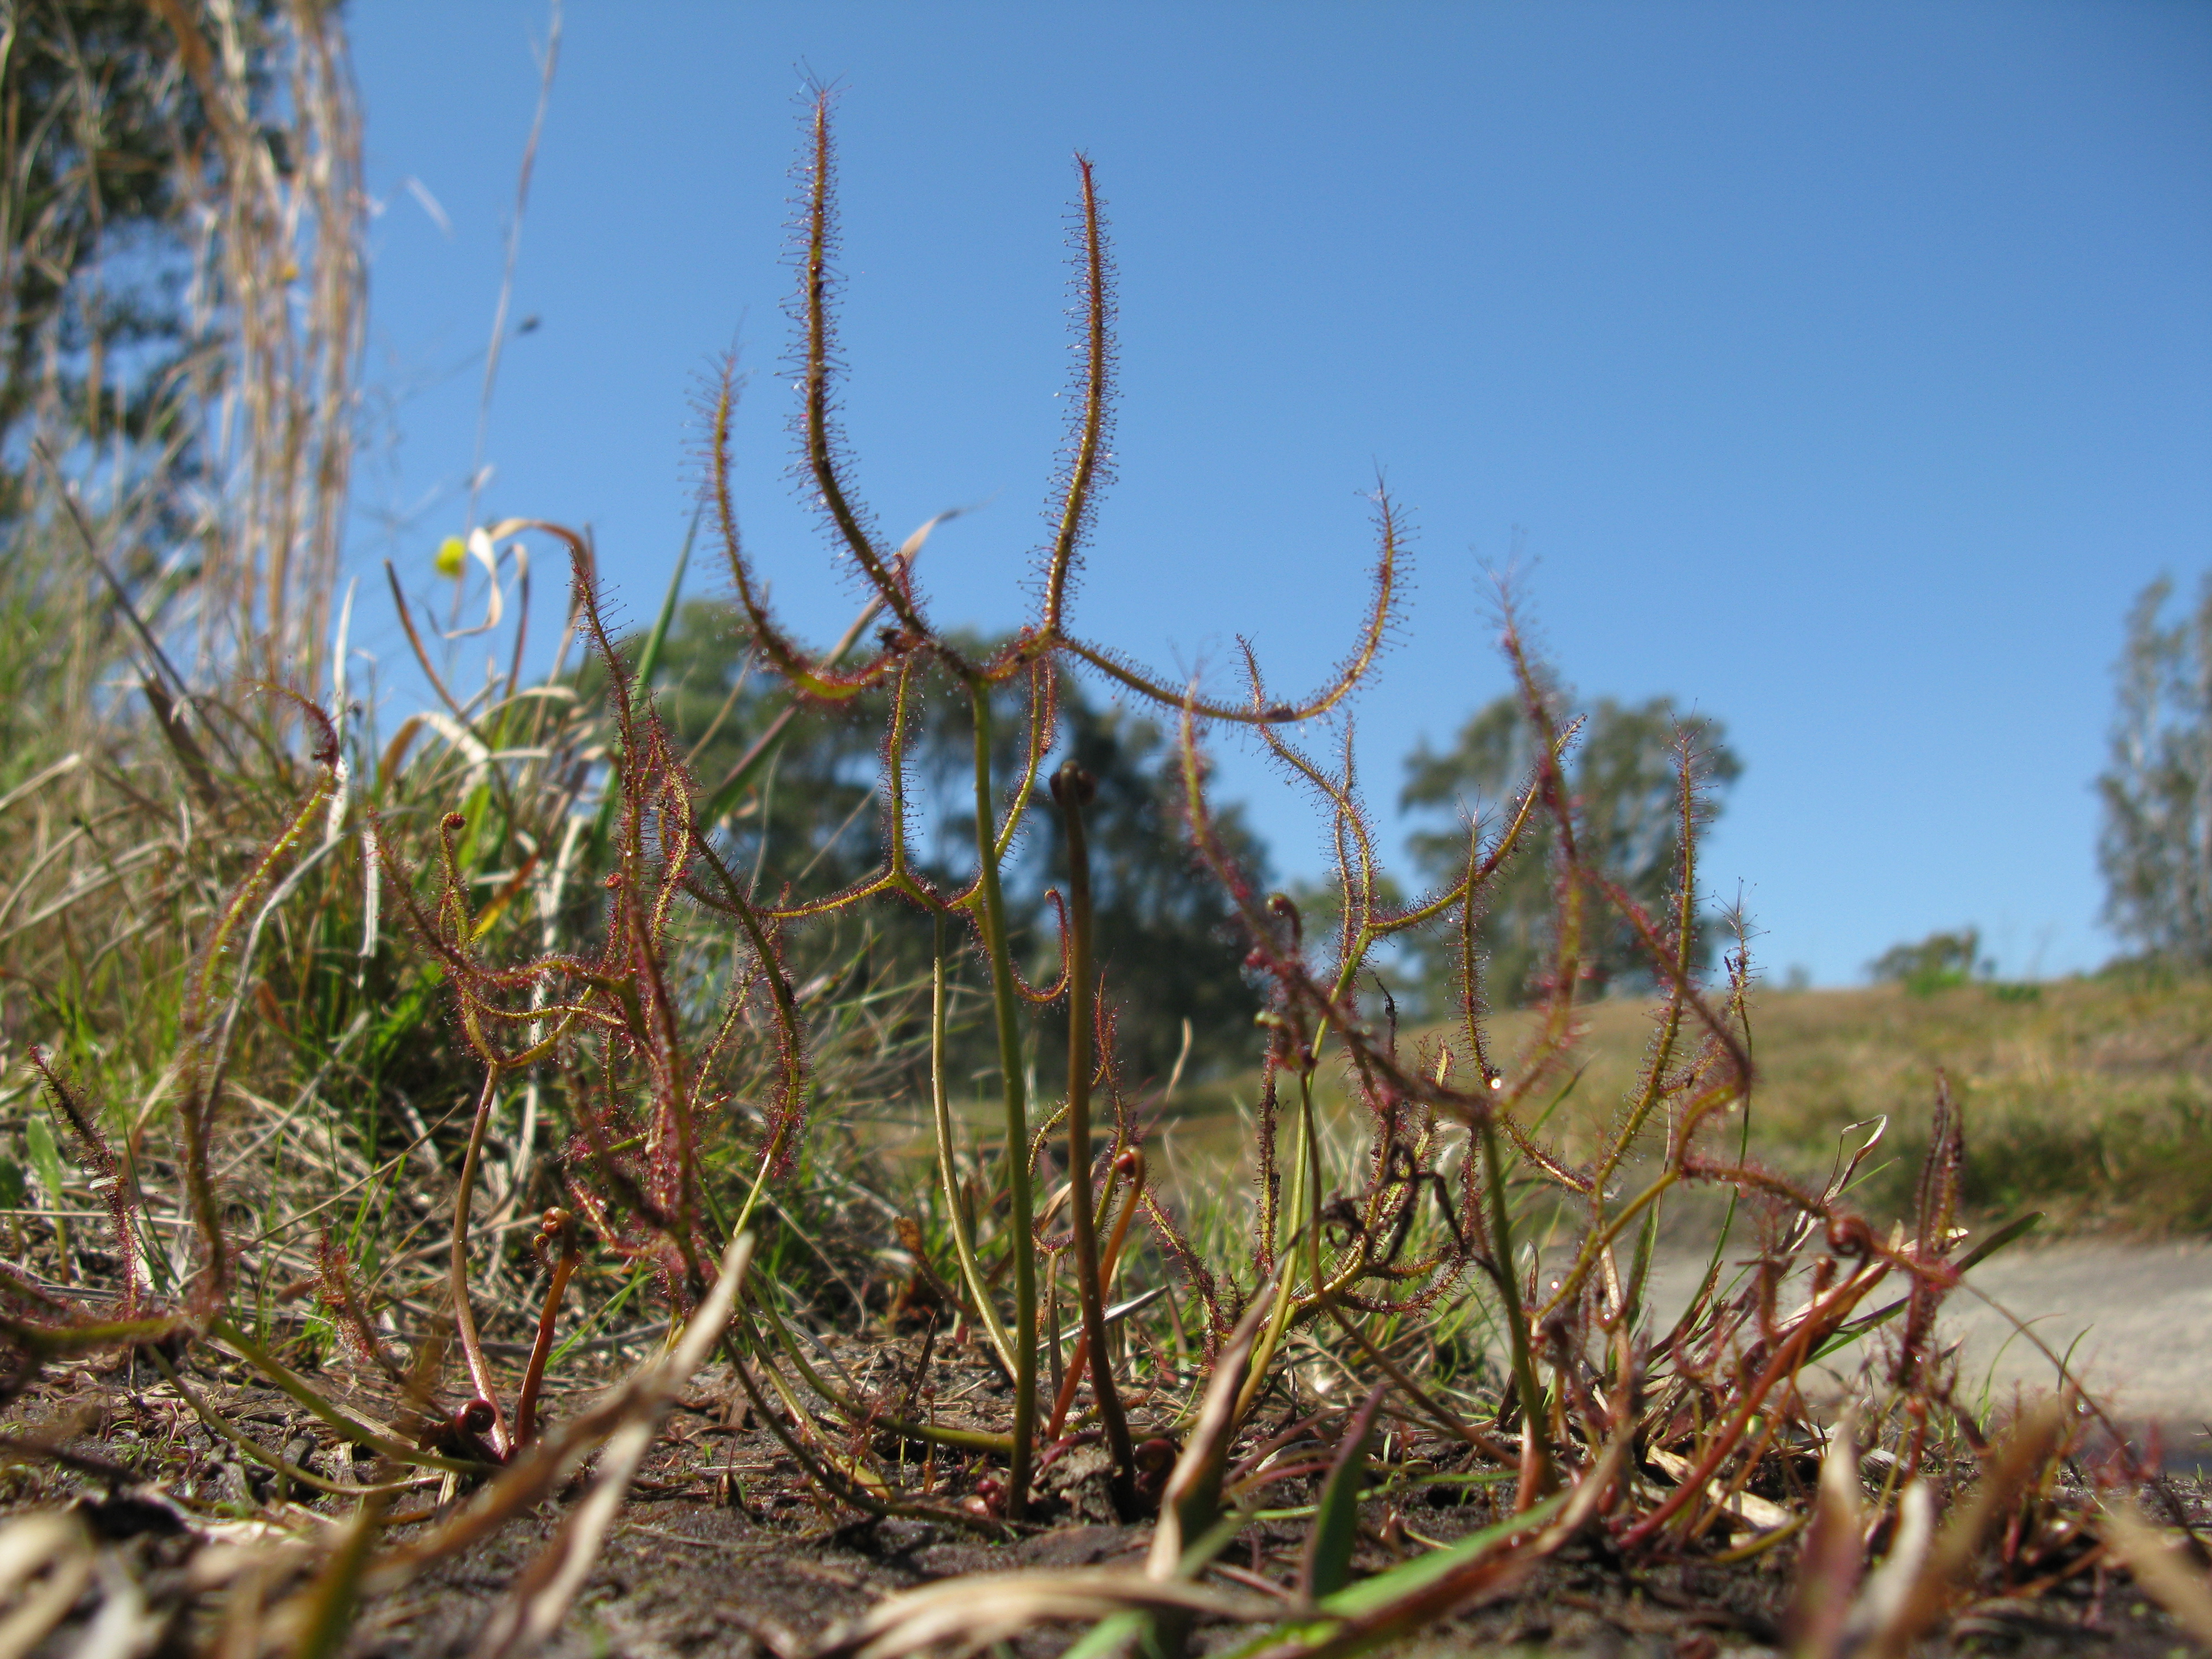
[2090, 1099]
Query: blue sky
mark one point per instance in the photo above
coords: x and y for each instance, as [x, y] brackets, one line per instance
[1842, 371]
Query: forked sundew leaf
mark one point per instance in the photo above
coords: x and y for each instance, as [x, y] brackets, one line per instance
[45, 1158]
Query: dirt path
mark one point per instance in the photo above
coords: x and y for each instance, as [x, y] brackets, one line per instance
[2138, 1318]
[2142, 1314]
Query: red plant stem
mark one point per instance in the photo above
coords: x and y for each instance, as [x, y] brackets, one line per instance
[1107, 1263]
[1821, 1318]
[525, 1405]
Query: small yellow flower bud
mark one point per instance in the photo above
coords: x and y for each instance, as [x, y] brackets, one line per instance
[453, 552]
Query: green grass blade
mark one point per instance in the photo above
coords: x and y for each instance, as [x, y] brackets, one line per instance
[2017, 1227]
[1336, 1515]
[1400, 1583]
[45, 1158]
[731, 789]
[1371, 1594]
[649, 658]
[1114, 1634]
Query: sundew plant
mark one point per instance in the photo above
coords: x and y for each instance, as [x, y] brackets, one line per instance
[1369, 1320]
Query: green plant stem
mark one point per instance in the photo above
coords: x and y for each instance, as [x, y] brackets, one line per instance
[464, 1319]
[824, 1474]
[1602, 1239]
[753, 1193]
[215, 1421]
[973, 1440]
[956, 1212]
[1070, 787]
[1019, 1229]
[349, 1428]
[1437, 1411]
[1302, 1194]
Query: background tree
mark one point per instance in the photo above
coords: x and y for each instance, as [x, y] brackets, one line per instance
[1165, 933]
[1934, 964]
[182, 280]
[96, 114]
[2156, 845]
[810, 825]
[93, 257]
[1621, 773]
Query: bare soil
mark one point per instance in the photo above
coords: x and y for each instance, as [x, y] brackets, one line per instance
[722, 1548]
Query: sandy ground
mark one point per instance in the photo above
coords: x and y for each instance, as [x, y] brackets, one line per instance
[2136, 1317]
[2140, 1315]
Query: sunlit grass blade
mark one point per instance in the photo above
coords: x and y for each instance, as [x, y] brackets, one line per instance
[1336, 1512]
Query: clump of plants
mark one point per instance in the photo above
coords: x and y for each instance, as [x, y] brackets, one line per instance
[1424, 1300]
[1941, 962]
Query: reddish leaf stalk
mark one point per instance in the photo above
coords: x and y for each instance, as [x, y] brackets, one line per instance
[558, 1229]
[1821, 1318]
[1088, 1352]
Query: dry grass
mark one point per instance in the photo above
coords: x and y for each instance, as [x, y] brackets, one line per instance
[2090, 1099]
